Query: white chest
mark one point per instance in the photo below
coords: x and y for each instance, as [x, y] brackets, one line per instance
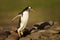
[25, 13]
[25, 16]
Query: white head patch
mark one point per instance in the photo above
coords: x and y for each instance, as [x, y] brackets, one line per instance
[29, 7]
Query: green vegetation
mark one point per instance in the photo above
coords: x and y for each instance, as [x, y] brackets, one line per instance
[10, 8]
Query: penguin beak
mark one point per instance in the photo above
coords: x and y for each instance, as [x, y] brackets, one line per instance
[15, 17]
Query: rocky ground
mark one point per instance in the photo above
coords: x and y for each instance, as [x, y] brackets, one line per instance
[52, 33]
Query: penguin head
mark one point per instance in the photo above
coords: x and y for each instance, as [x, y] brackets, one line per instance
[28, 8]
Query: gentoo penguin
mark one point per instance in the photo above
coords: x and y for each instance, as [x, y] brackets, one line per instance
[23, 19]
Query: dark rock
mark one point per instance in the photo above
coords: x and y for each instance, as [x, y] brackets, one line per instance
[42, 25]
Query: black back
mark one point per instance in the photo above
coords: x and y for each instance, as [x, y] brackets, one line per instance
[26, 8]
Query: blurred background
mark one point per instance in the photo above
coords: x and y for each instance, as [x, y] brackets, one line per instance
[45, 10]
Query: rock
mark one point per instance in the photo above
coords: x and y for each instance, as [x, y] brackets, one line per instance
[13, 36]
[41, 35]
[3, 34]
[52, 33]
[25, 38]
[44, 25]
